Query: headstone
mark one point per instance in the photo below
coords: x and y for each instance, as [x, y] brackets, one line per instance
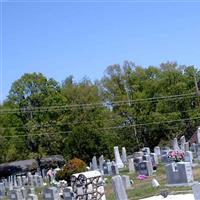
[137, 161]
[101, 161]
[189, 157]
[68, 194]
[24, 192]
[126, 182]
[183, 141]
[105, 169]
[31, 180]
[94, 163]
[118, 160]
[179, 173]
[148, 158]
[138, 154]
[198, 135]
[51, 193]
[118, 188]
[19, 181]
[164, 157]
[24, 180]
[16, 194]
[124, 157]
[114, 169]
[155, 183]
[31, 190]
[145, 168]
[32, 197]
[196, 191]
[157, 151]
[146, 150]
[131, 166]
[2, 190]
[194, 149]
[109, 164]
[186, 146]
[154, 159]
[175, 145]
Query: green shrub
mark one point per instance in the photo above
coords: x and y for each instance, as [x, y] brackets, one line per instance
[71, 167]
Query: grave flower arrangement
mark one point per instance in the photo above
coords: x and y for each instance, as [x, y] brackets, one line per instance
[176, 156]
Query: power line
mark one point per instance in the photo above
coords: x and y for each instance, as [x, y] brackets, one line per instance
[94, 105]
[84, 122]
[109, 128]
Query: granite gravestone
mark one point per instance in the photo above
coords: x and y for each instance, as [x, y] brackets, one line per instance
[68, 194]
[179, 173]
[145, 168]
[114, 169]
[51, 193]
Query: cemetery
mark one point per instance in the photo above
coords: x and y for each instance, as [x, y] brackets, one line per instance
[169, 171]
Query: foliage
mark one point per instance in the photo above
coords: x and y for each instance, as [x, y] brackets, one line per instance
[130, 106]
[71, 167]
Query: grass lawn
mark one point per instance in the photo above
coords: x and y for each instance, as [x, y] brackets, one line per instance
[143, 189]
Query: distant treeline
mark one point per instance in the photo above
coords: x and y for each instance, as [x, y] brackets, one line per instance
[130, 106]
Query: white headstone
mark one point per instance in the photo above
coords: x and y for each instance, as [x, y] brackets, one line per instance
[94, 163]
[155, 183]
[124, 157]
[198, 135]
[131, 166]
[157, 151]
[118, 160]
[175, 144]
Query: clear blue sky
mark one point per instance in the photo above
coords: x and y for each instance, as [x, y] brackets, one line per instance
[82, 39]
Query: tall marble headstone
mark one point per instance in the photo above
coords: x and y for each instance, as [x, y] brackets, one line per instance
[118, 160]
[94, 163]
[183, 141]
[124, 157]
[101, 161]
[198, 135]
[157, 151]
[175, 145]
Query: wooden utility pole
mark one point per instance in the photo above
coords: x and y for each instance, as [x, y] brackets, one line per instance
[197, 90]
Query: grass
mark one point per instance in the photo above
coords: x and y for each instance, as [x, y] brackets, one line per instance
[143, 189]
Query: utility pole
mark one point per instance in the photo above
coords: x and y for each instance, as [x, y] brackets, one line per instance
[133, 121]
[197, 90]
